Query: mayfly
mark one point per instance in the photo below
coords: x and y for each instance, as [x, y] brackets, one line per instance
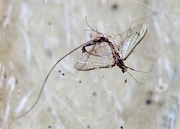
[103, 52]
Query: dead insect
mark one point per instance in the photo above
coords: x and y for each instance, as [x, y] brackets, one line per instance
[103, 52]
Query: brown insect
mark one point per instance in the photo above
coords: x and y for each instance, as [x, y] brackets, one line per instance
[103, 52]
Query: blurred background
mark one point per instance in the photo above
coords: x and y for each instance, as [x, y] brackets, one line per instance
[34, 35]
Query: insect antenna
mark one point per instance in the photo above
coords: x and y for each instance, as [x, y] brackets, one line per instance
[136, 79]
[92, 29]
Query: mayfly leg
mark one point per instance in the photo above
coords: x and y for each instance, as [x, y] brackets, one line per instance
[92, 29]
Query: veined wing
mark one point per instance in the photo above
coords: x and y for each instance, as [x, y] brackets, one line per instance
[98, 55]
[130, 39]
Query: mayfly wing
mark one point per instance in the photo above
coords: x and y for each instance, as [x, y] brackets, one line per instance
[130, 39]
[98, 55]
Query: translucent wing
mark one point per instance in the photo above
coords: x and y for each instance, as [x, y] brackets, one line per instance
[130, 39]
[98, 55]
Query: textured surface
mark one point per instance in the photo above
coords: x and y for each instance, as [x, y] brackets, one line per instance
[35, 34]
